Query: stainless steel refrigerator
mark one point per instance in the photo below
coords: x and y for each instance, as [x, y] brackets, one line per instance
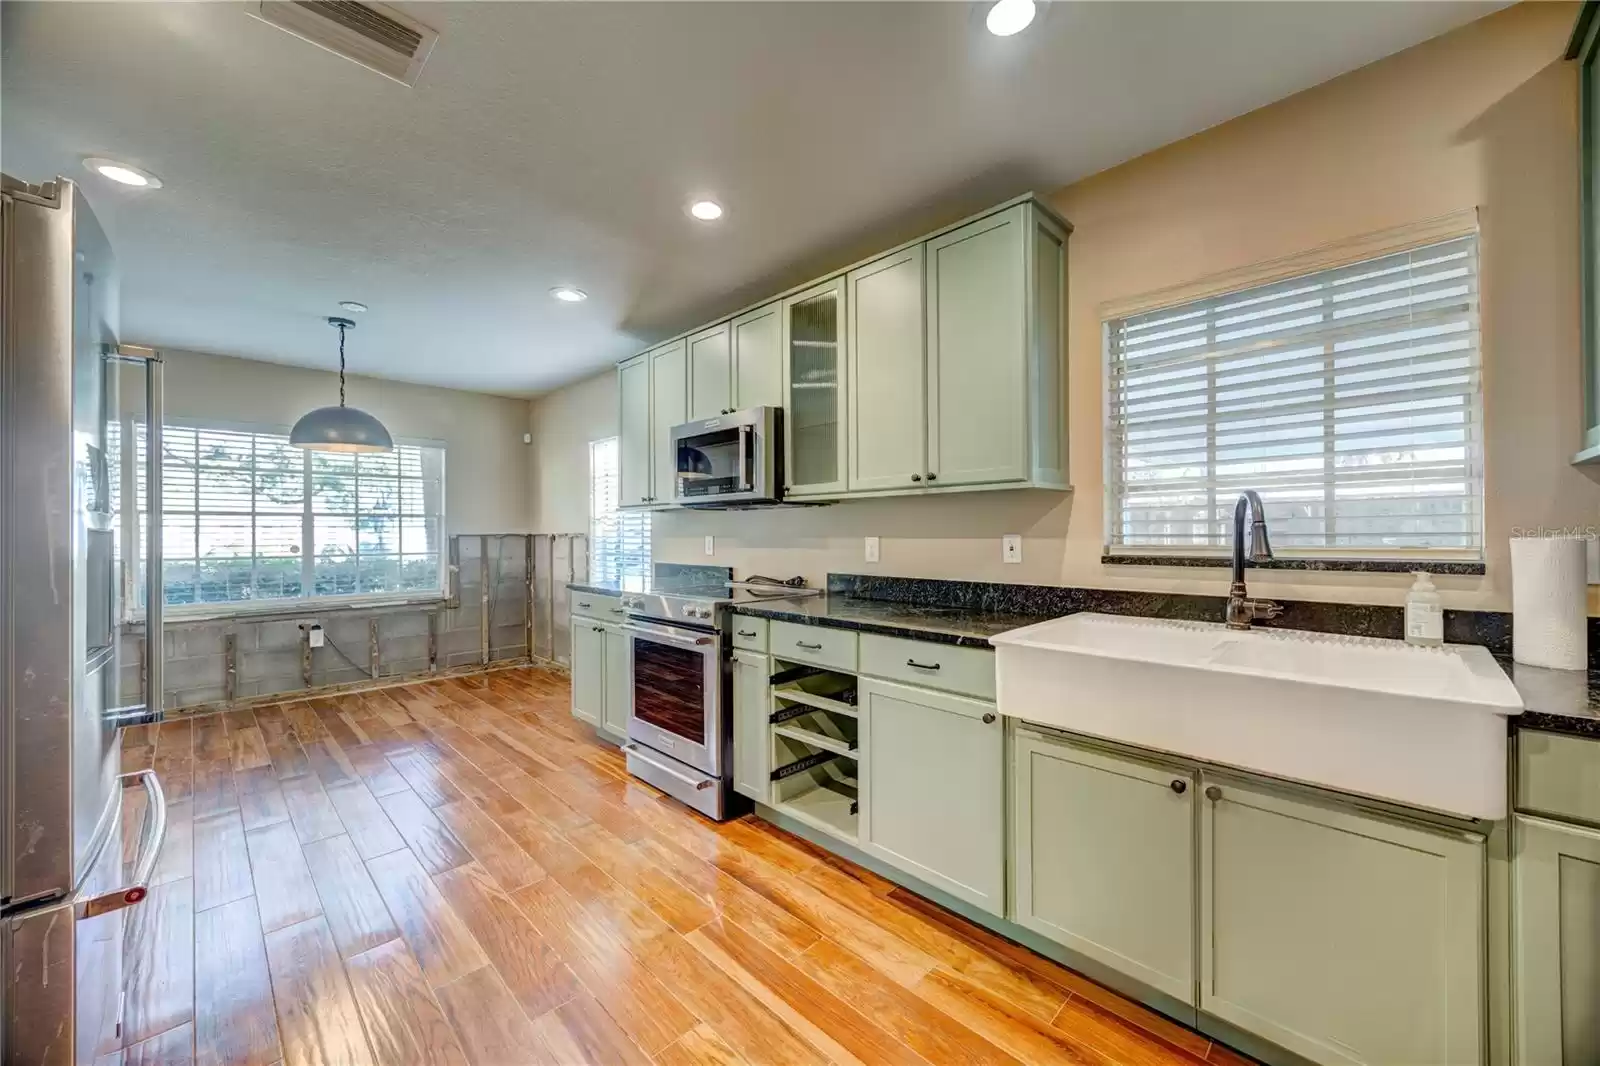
[67, 561]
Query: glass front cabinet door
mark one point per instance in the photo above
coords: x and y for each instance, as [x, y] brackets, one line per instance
[814, 386]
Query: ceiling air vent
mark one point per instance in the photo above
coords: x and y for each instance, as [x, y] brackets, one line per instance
[377, 37]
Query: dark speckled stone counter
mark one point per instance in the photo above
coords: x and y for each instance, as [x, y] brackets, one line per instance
[1557, 701]
[969, 627]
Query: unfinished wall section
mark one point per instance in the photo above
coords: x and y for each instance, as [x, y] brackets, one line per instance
[489, 618]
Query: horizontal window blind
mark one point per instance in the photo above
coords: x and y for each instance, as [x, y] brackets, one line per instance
[619, 541]
[247, 516]
[1350, 398]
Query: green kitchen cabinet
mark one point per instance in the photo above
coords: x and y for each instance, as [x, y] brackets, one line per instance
[886, 312]
[588, 671]
[1556, 943]
[814, 389]
[710, 373]
[633, 433]
[752, 743]
[1584, 48]
[617, 700]
[933, 789]
[996, 291]
[756, 338]
[669, 406]
[1103, 858]
[1343, 935]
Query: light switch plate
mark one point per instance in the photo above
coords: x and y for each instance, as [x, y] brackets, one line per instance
[711, 548]
[1011, 548]
[1592, 547]
[872, 549]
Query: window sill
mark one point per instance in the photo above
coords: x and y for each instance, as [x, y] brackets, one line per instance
[1451, 567]
[268, 612]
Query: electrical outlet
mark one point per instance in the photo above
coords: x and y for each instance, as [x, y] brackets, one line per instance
[872, 549]
[711, 548]
[1592, 548]
[1011, 548]
[314, 635]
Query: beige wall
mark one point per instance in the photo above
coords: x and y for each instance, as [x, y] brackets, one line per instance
[1484, 117]
[485, 459]
[563, 423]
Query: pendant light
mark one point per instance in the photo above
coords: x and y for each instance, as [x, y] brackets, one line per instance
[340, 429]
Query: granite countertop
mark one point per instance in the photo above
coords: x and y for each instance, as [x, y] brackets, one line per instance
[1557, 701]
[968, 627]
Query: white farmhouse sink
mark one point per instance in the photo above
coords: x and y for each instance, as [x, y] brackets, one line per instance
[1424, 727]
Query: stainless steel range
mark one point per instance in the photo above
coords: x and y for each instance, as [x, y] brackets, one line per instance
[679, 735]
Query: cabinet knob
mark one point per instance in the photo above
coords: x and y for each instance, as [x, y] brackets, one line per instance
[988, 718]
[916, 477]
[1213, 793]
[932, 476]
[1179, 785]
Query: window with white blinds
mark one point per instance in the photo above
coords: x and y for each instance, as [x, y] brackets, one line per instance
[619, 541]
[246, 516]
[1350, 398]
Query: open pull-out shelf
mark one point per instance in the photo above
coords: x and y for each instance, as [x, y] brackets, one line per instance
[816, 785]
[815, 687]
[827, 730]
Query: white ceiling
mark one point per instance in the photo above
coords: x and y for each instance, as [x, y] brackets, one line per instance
[558, 143]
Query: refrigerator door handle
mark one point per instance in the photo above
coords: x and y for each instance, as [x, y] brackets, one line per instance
[155, 836]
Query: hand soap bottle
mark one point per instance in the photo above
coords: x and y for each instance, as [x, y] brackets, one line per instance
[1424, 613]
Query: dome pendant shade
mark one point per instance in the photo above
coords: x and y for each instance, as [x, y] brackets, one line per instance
[341, 428]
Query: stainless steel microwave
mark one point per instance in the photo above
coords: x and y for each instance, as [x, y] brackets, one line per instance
[735, 458]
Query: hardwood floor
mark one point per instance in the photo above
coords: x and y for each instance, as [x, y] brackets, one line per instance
[456, 872]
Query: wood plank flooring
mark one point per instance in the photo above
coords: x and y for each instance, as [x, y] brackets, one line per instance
[457, 872]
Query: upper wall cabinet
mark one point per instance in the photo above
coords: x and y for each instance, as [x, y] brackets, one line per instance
[1585, 48]
[757, 338]
[653, 391]
[815, 383]
[938, 366]
[710, 373]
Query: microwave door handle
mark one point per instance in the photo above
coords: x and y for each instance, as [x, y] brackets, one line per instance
[744, 449]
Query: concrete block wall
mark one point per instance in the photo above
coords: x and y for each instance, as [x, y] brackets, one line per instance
[268, 650]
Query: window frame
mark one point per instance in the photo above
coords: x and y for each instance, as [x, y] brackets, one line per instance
[1328, 258]
[639, 574]
[131, 517]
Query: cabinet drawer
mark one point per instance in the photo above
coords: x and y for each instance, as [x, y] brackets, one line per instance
[969, 671]
[1558, 775]
[813, 644]
[749, 633]
[602, 607]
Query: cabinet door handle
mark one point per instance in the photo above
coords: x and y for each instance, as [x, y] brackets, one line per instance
[1213, 793]
[585, 605]
[916, 477]
[598, 629]
[747, 632]
[988, 718]
[1179, 785]
[932, 476]
[922, 666]
[807, 647]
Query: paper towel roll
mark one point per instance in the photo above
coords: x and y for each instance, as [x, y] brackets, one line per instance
[1549, 602]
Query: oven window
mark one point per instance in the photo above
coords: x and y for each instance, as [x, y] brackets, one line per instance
[669, 689]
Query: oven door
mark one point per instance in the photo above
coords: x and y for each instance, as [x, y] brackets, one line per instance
[677, 693]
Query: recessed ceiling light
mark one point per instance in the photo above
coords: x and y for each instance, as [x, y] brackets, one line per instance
[353, 306]
[1009, 16]
[706, 210]
[568, 294]
[122, 173]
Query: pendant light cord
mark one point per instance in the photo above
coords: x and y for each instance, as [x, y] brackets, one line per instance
[341, 364]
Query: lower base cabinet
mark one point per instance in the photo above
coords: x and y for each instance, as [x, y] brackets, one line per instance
[933, 789]
[588, 670]
[1557, 935]
[1103, 858]
[1344, 937]
[752, 744]
[618, 700]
